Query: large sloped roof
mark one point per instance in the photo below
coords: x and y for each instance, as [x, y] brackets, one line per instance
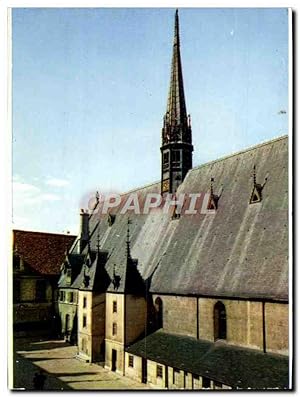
[235, 366]
[240, 251]
[42, 253]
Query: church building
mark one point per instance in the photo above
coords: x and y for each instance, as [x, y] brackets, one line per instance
[189, 301]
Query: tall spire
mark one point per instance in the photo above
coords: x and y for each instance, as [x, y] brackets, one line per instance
[176, 132]
[176, 108]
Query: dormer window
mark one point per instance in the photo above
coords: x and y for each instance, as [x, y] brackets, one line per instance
[213, 198]
[256, 195]
[175, 215]
[111, 219]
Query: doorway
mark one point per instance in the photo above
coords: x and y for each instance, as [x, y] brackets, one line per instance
[166, 377]
[144, 370]
[113, 359]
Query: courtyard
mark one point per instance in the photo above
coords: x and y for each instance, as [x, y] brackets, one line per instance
[62, 369]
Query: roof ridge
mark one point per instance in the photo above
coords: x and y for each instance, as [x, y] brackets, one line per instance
[38, 232]
[264, 143]
[249, 149]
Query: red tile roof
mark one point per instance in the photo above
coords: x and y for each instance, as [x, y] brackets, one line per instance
[42, 252]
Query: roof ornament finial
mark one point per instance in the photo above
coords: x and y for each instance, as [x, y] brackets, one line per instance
[97, 197]
[98, 241]
[254, 175]
[212, 186]
[128, 254]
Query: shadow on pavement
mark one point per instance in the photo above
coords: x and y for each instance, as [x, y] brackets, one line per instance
[39, 345]
[23, 375]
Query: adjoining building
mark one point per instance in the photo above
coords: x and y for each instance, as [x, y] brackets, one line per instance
[37, 259]
[199, 300]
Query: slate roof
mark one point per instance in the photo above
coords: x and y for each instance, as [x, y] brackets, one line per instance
[230, 365]
[43, 253]
[240, 251]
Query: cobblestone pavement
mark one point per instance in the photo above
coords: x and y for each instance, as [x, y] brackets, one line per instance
[63, 371]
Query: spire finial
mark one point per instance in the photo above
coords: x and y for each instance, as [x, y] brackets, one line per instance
[176, 29]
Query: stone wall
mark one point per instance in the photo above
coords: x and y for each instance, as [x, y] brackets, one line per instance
[85, 324]
[119, 348]
[277, 328]
[134, 372]
[98, 326]
[114, 330]
[136, 317]
[179, 314]
[244, 321]
[116, 317]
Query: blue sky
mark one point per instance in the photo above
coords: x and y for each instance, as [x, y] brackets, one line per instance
[90, 91]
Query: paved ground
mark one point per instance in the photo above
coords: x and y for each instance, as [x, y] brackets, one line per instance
[63, 370]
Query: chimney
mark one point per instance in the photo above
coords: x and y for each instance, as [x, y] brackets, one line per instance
[84, 229]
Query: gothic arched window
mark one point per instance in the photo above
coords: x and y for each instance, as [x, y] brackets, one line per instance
[159, 312]
[219, 321]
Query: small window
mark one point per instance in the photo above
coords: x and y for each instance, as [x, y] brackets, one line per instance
[166, 158]
[114, 329]
[71, 297]
[159, 371]
[114, 306]
[17, 291]
[130, 361]
[16, 262]
[84, 302]
[111, 219]
[83, 345]
[205, 383]
[84, 321]
[61, 296]
[175, 156]
[40, 291]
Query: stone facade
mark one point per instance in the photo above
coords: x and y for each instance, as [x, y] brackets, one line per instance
[91, 325]
[67, 309]
[160, 376]
[126, 319]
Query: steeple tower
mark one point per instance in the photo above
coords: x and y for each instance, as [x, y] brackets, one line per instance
[177, 148]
